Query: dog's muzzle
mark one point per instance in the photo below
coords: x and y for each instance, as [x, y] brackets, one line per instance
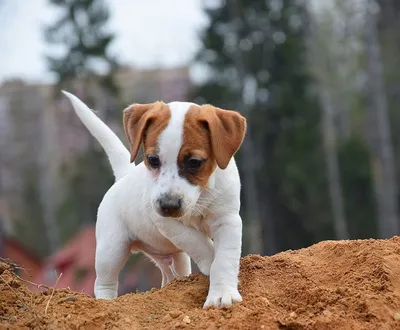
[169, 206]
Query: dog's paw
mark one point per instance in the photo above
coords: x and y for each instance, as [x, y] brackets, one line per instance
[223, 296]
[105, 294]
[105, 291]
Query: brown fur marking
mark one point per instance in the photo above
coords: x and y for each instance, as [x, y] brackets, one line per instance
[144, 123]
[212, 134]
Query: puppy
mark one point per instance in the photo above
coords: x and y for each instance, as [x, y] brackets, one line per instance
[181, 202]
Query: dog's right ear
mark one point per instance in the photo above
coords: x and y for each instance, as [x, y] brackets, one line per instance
[137, 118]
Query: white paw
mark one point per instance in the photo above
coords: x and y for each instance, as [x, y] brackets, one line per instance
[105, 291]
[105, 294]
[222, 296]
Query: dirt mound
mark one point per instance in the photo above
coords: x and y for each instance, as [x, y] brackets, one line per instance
[331, 285]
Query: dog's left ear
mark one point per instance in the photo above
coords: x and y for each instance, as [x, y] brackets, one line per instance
[227, 130]
[137, 118]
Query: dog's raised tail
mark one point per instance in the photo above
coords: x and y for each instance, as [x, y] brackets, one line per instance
[118, 155]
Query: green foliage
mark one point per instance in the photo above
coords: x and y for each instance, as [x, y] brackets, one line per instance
[358, 190]
[87, 178]
[29, 226]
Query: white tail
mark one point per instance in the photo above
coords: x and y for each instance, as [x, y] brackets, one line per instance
[118, 155]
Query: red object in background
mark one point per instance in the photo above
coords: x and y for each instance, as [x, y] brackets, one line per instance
[20, 254]
[75, 262]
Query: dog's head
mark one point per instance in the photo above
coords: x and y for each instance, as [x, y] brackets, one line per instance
[183, 145]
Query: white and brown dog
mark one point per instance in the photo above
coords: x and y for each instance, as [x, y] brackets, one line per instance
[181, 202]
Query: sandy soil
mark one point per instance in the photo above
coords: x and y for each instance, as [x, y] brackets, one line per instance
[331, 285]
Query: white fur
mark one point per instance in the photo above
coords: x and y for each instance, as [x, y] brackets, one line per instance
[210, 232]
[170, 142]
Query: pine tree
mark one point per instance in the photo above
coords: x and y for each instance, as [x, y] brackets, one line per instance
[82, 28]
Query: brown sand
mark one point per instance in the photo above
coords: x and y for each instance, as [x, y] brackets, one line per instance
[331, 285]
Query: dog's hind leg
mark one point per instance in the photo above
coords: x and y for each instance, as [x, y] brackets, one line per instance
[163, 266]
[112, 252]
[181, 264]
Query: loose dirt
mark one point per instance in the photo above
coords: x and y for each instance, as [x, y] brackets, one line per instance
[330, 285]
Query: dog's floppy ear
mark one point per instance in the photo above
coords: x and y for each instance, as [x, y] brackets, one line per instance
[227, 130]
[137, 118]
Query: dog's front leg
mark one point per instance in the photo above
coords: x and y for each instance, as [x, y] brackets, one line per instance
[224, 276]
[195, 243]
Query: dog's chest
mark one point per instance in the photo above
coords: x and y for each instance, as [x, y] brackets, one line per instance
[199, 222]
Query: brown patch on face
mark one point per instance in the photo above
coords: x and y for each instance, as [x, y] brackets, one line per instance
[212, 135]
[196, 144]
[227, 130]
[144, 123]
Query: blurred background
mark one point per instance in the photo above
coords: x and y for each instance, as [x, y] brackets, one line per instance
[318, 80]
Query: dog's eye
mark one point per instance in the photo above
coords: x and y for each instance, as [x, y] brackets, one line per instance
[154, 161]
[194, 163]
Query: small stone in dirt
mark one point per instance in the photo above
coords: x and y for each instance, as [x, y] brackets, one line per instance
[70, 298]
[265, 301]
[174, 314]
[167, 318]
[396, 316]
[15, 284]
[186, 319]
[292, 314]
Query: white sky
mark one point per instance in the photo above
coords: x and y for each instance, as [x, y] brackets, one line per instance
[148, 33]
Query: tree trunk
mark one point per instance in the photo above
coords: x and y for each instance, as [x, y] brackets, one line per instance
[251, 195]
[318, 65]
[49, 179]
[379, 133]
[332, 164]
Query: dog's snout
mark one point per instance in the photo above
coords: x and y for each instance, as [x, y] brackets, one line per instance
[170, 206]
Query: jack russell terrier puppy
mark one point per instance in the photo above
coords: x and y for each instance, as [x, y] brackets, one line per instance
[181, 202]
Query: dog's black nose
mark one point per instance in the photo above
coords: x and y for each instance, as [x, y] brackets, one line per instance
[170, 206]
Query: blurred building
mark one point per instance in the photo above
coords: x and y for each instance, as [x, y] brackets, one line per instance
[22, 256]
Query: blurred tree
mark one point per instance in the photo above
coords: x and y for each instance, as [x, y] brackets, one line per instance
[321, 43]
[338, 66]
[87, 68]
[88, 180]
[82, 30]
[283, 115]
[247, 96]
[358, 191]
[389, 36]
[29, 225]
[384, 171]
